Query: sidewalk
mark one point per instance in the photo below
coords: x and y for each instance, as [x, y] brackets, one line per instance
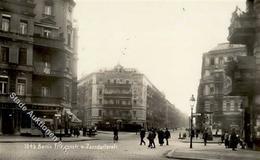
[199, 140]
[24, 139]
[212, 152]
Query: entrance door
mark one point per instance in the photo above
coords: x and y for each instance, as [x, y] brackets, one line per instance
[7, 121]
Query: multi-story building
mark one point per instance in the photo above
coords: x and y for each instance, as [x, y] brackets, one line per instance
[37, 61]
[219, 112]
[245, 72]
[121, 96]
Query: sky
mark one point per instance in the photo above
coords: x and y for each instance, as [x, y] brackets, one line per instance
[163, 39]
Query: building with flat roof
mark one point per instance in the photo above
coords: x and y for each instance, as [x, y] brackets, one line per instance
[122, 96]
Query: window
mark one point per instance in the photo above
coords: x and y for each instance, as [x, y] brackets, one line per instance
[45, 91]
[48, 10]
[4, 55]
[69, 38]
[227, 106]
[21, 86]
[100, 101]
[134, 113]
[23, 27]
[22, 56]
[67, 93]
[211, 90]
[236, 106]
[6, 23]
[47, 33]
[99, 112]
[100, 92]
[3, 84]
[68, 64]
[212, 61]
[221, 60]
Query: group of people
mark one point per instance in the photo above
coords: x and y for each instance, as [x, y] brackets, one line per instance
[75, 131]
[231, 140]
[152, 135]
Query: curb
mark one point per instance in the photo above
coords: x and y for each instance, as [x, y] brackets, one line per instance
[29, 141]
[171, 156]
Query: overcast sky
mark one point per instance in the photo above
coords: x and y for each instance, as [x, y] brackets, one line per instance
[164, 39]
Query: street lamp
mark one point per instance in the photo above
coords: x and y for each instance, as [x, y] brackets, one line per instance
[192, 102]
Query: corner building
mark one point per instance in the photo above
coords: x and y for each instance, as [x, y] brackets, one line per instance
[219, 112]
[38, 58]
[122, 96]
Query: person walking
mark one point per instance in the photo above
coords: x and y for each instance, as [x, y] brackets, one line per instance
[226, 136]
[167, 136]
[233, 140]
[150, 138]
[142, 135]
[205, 137]
[161, 137]
[115, 131]
[153, 137]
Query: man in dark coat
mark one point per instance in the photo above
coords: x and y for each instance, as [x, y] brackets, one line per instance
[115, 131]
[167, 136]
[205, 137]
[233, 140]
[142, 135]
[161, 137]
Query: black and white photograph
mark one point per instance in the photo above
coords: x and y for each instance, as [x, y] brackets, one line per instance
[129, 79]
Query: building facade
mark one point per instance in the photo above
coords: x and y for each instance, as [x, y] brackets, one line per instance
[245, 73]
[219, 111]
[121, 96]
[37, 62]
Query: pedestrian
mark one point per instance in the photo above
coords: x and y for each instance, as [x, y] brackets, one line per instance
[222, 138]
[167, 136]
[142, 135]
[161, 137]
[233, 140]
[197, 133]
[226, 135]
[115, 131]
[153, 137]
[77, 132]
[205, 137]
[150, 137]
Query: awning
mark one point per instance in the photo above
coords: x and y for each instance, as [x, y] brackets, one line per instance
[74, 118]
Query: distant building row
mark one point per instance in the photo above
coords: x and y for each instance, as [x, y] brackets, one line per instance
[125, 97]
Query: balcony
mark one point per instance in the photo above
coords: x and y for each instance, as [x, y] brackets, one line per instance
[240, 77]
[117, 85]
[117, 106]
[15, 36]
[49, 42]
[51, 101]
[242, 28]
[41, 69]
[118, 95]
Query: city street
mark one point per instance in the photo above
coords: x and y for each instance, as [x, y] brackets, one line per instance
[127, 148]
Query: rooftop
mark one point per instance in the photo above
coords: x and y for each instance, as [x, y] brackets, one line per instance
[225, 46]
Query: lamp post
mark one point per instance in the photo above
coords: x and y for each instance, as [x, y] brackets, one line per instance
[192, 102]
